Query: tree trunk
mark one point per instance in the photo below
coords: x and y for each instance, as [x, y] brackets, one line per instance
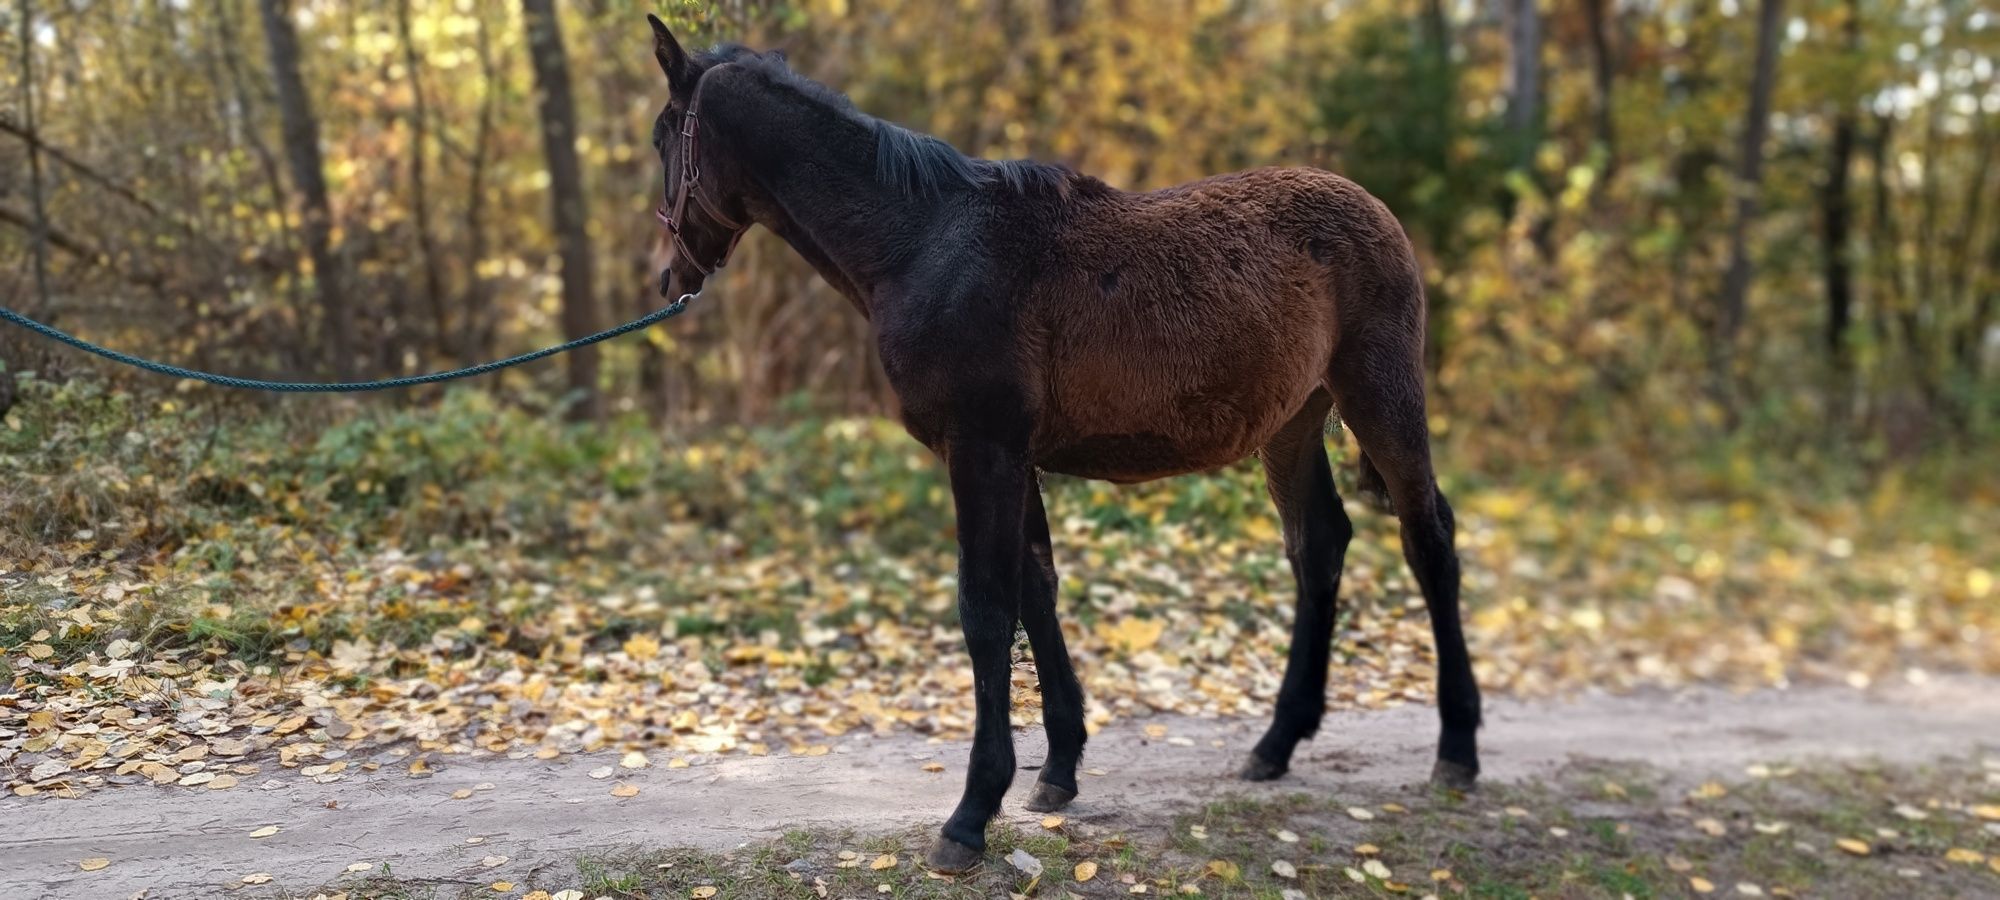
[558, 114]
[301, 132]
[1836, 217]
[1524, 79]
[1836, 224]
[1730, 303]
[475, 326]
[36, 202]
[420, 204]
[1601, 69]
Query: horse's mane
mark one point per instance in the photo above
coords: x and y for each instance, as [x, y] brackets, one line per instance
[905, 159]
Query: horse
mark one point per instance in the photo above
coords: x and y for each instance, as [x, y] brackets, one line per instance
[1034, 319]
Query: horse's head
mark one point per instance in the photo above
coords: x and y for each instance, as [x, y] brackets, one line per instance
[702, 214]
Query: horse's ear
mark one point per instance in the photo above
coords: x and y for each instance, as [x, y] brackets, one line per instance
[673, 60]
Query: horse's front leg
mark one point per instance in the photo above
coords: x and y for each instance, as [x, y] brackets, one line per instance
[989, 484]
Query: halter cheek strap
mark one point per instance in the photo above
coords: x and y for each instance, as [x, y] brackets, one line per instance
[690, 187]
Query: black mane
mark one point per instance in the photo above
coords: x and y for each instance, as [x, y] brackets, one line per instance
[905, 159]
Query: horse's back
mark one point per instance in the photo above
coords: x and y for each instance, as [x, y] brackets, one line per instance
[1182, 327]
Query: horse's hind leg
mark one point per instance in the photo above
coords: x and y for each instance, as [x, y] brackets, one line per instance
[1368, 482]
[1062, 696]
[1316, 536]
[1378, 386]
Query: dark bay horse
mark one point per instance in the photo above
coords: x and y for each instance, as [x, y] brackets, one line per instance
[1031, 319]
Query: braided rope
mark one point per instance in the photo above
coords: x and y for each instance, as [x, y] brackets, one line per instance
[347, 387]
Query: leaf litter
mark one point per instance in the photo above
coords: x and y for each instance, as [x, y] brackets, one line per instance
[130, 668]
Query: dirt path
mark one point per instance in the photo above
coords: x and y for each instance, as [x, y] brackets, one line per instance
[172, 843]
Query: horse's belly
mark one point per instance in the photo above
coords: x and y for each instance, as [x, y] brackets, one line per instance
[1145, 428]
[1131, 458]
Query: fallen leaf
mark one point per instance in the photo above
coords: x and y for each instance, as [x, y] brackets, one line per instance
[502, 887]
[265, 831]
[933, 767]
[1287, 836]
[634, 760]
[1284, 869]
[885, 861]
[93, 864]
[1367, 849]
[1440, 874]
[1376, 868]
[1853, 845]
[1701, 885]
[1987, 811]
[703, 893]
[1086, 870]
[1360, 814]
[1962, 855]
[1052, 822]
[1709, 791]
[493, 862]
[1224, 869]
[257, 878]
[625, 790]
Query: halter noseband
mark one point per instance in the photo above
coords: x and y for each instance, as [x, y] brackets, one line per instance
[690, 186]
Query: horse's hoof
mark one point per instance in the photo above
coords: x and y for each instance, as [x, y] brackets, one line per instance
[1261, 769]
[1049, 798]
[1454, 776]
[951, 857]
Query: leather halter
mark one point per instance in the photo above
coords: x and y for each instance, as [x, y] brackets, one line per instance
[690, 186]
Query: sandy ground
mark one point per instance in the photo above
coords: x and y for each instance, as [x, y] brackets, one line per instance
[175, 843]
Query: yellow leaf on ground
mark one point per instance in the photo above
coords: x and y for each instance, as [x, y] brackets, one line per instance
[885, 861]
[633, 760]
[1086, 870]
[1962, 855]
[265, 831]
[257, 878]
[1376, 868]
[703, 893]
[1854, 846]
[1224, 869]
[1987, 811]
[1440, 874]
[625, 790]
[1052, 822]
[1131, 633]
[933, 767]
[1360, 814]
[93, 864]
[1701, 885]
[502, 887]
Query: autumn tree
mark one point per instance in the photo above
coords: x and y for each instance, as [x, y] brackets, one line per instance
[566, 197]
[302, 152]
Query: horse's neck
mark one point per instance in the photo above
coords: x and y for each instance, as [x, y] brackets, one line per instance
[827, 203]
